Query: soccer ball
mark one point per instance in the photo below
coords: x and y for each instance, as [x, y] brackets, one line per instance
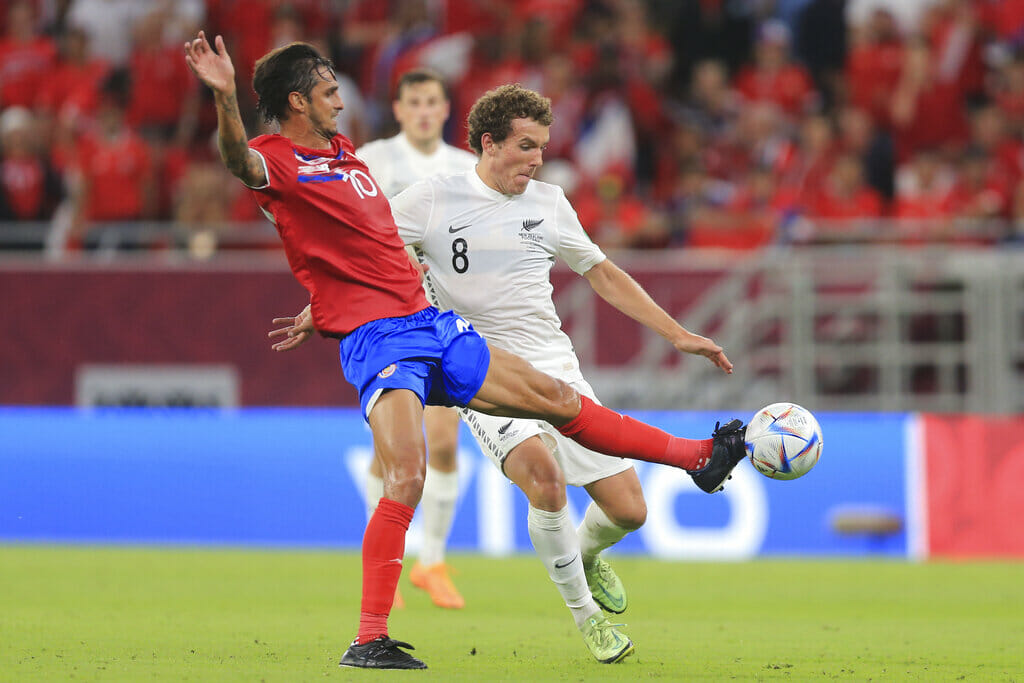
[783, 441]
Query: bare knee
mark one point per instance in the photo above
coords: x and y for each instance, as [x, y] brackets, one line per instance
[546, 493]
[621, 498]
[404, 464]
[631, 516]
[534, 470]
[404, 483]
[442, 445]
[558, 402]
[566, 403]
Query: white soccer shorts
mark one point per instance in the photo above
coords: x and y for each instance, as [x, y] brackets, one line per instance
[497, 436]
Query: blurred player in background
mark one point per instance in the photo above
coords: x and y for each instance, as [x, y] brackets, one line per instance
[398, 351]
[421, 107]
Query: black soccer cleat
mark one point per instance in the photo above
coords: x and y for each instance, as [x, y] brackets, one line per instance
[380, 653]
[727, 450]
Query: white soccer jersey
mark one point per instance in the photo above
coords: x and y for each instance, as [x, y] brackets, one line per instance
[490, 258]
[396, 164]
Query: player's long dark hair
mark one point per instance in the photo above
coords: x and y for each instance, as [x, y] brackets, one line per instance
[296, 67]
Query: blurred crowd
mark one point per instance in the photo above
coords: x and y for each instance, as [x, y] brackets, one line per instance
[710, 123]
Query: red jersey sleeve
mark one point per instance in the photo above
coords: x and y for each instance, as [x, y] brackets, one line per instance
[280, 168]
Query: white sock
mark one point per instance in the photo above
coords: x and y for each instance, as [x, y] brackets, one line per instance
[558, 547]
[437, 509]
[374, 492]
[597, 533]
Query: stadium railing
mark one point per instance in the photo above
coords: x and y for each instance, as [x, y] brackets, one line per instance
[911, 325]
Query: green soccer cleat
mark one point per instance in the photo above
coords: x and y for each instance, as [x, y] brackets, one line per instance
[605, 643]
[605, 586]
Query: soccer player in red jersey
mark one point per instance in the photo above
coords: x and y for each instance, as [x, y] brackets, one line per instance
[400, 353]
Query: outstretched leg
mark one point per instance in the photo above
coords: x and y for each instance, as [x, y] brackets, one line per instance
[514, 388]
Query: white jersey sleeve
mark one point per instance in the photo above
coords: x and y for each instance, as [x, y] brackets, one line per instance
[574, 244]
[412, 209]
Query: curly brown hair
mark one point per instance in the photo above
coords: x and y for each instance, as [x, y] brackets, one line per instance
[496, 109]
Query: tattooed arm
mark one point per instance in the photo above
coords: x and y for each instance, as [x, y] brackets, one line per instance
[214, 68]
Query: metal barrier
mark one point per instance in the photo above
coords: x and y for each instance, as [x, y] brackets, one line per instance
[852, 328]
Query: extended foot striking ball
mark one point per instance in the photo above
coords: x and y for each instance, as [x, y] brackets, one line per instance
[783, 441]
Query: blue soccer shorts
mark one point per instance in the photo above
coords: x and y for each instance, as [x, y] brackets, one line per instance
[438, 356]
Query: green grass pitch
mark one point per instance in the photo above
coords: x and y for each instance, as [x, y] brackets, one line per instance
[129, 614]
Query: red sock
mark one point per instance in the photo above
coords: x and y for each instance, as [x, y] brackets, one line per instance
[607, 431]
[383, 548]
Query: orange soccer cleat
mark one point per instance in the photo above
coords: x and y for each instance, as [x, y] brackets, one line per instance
[399, 602]
[435, 580]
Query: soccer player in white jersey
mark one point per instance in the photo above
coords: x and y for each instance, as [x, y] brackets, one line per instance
[421, 107]
[490, 237]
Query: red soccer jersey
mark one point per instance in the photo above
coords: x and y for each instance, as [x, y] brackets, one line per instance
[861, 203]
[116, 169]
[22, 67]
[156, 74]
[872, 73]
[72, 85]
[790, 87]
[338, 233]
[22, 182]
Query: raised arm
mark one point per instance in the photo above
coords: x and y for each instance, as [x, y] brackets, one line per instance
[616, 287]
[215, 70]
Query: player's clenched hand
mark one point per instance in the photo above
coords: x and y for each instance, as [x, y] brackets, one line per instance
[213, 68]
[702, 346]
[295, 331]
